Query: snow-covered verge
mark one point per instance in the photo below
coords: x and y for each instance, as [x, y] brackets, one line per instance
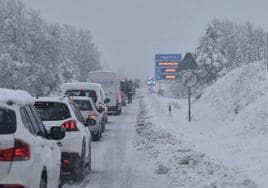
[173, 158]
[235, 92]
[229, 121]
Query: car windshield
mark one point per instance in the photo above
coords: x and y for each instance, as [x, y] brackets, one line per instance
[7, 121]
[52, 111]
[87, 93]
[83, 105]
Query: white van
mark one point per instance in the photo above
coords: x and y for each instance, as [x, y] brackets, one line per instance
[87, 89]
[111, 84]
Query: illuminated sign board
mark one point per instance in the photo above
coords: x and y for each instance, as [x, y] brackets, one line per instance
[167, 66]
[170, 77]
[170, 70]
[168, 63]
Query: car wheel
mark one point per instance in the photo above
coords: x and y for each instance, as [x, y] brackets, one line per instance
[89, 159]
[102, 127]
[96, 137]
[101, 131]
[118, 112]
[43, 181]
[106, 119]
[79, 170]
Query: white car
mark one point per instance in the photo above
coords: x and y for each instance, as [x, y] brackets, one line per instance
[88, 89]
[27, 157]
[76, 146]
[90, 114]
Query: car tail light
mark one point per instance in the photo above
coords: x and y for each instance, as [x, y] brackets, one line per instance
[92, 116]
[66, 161]
[20, 152]
[70, 126]
[117, 98]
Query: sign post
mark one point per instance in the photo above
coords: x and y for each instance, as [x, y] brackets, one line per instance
[189, 105]
[189, 78]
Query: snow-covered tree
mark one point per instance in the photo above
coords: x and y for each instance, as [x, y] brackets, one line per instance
[37, 56]
[225, 46]
[209, 56]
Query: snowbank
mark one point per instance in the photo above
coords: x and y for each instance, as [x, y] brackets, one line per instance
[176, 160]
[16, 96]
[231, 94]
[233, 115]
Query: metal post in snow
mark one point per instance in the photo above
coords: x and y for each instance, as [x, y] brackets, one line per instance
[189, 104]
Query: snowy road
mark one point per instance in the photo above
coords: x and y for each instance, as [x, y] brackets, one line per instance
[115, 161]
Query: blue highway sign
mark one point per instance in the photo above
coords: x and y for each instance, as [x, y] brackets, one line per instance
[167, 66]
[168, 57]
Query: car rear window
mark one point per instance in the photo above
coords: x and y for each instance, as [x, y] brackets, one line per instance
[87, 93]
[83, 105]
[8, 123]
[52, 111]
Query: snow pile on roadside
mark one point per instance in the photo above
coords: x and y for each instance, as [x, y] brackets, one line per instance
[231, 119]
[254, 119]
[16, 96]
[184, 167]
[234, 94]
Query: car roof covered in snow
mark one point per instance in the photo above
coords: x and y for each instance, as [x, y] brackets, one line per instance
[18, 97]
[79, 86]
[82, 98]
[62, 99]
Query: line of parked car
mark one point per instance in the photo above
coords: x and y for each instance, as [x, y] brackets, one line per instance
[45, 141]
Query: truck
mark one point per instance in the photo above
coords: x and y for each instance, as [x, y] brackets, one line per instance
[111, 85]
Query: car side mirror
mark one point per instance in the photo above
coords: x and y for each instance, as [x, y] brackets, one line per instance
[107, 100]
[90, 122]
[57, 133]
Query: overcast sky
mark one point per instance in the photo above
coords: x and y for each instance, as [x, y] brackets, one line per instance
[130, 32]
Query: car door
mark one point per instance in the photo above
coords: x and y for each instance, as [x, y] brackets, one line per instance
[8, 125]
[99, 115]
[53, 160]
[85, 131]
[40, 131]
[38, 149]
